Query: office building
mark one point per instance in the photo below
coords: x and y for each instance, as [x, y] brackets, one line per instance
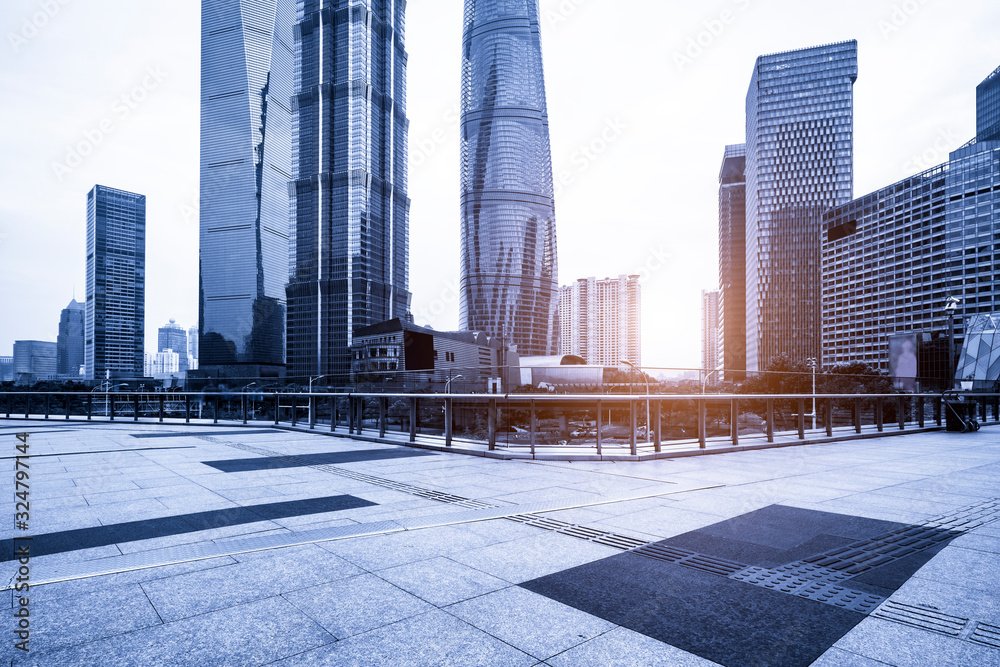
[600, 320]
[350, 237]
[247, 64]
[70, 342]
[192, 348]
[174, 337]
[509, 283]
[164, 363]
[115, 317]
[6, 369]
[732, 263]
[34, 361]
[799, 164]
[892, 258]
[709, 331]
[988, 108]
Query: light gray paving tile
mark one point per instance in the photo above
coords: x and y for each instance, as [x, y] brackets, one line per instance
[952, 599]
[976, 542]
[964, 567]
[442, 581]
[836, 657]
[533, 557]
[356, 605]
[621, 647]
[62, 622]
[252, 634]
[434, 638]
[529, 622]
[185, 595]
[903, 646]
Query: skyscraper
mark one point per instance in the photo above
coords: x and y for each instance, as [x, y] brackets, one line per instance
[246, 84]
[732, 263]
[173, 337]
[350, 229]
[192, 348]
[601, 320]
[709, 331]
[70, 342]
[509, 273]
[116, 283]
[988, 108]
[799, 164]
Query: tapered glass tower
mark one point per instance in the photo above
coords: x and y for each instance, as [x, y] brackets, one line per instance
[350, 253]
[246, 85]
[509, 279]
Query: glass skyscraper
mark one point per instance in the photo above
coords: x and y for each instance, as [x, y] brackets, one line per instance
[893, 257]
[349, 259]
[732, 263]
[172, 336]
[246, 85]
[509, 275]
[115, 317]
[70, 342]
[799, 164]
[988, 108]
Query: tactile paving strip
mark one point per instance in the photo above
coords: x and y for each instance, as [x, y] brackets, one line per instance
[811, 582]
[986, 634]
[922, 617]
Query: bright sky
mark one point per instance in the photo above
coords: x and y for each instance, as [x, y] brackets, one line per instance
[642, 96]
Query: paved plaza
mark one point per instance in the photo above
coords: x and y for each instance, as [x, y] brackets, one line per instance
[199, 545]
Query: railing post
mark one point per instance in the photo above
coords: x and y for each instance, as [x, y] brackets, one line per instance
[277, 408]
[47, 397]
[333, 414]
[69, 400]
[161, 407]
[187, 408]
[359, 419]
[734, 421]
[111, 407]
[381, 416]
[599, 423]
[413, 419]
[770, 420]
[135, 407]
[90, 407]
[879, 424]
[802, 418]
[856, 415]
[243, 407]
[920, 411]
[531, 407]
[295, 409]
[27, 406]
[900, 413]
[631, 419]
[701, 423]
[447, 421]
[312, 411]
[658, 432]
[829, 417]
[352, 415]
[938, 407]
[491, 423]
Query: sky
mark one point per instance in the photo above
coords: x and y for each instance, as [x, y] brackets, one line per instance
[643, 96]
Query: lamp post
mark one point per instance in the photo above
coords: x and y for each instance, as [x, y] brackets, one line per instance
[243, 391]
[318, 377]
[812, 363]
[447, 385]
[705, 379]
[646, 379]
[950, 306]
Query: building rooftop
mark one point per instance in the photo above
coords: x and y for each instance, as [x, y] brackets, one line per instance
[209, 545]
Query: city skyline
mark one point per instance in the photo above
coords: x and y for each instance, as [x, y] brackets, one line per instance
[907, 120]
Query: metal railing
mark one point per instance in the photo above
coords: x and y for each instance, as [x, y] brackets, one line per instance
[601, 423]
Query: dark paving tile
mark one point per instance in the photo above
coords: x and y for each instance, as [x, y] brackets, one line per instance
[719, 619]
[131, 531]
[324, 458]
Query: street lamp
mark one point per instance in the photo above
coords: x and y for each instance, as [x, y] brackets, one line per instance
[318, 377]
[705, 380]
[244, 390]
[448, 383]
[812, 363]
[950, 306]
[646, 379]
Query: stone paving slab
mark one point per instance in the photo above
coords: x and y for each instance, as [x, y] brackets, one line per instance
[463, 593]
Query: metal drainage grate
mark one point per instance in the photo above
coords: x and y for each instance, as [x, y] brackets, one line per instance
[922, 617]
[986, 634]
[689, 559]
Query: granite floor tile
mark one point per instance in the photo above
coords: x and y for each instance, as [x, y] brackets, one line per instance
[622, 647]
[442, 581]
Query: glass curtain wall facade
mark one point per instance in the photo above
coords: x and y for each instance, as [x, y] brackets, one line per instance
[799, 164]
[509, 283]
[988, 108]
[246, 85]
[349, 265]
[70, 342]
[732, 263]
[892, 258]
[115, 317]
[979, 362]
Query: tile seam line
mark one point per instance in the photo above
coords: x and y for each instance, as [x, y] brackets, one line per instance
[380, 529]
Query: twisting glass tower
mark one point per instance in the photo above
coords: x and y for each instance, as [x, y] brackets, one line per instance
[246, 83]
[350, 221]
[509, 281]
